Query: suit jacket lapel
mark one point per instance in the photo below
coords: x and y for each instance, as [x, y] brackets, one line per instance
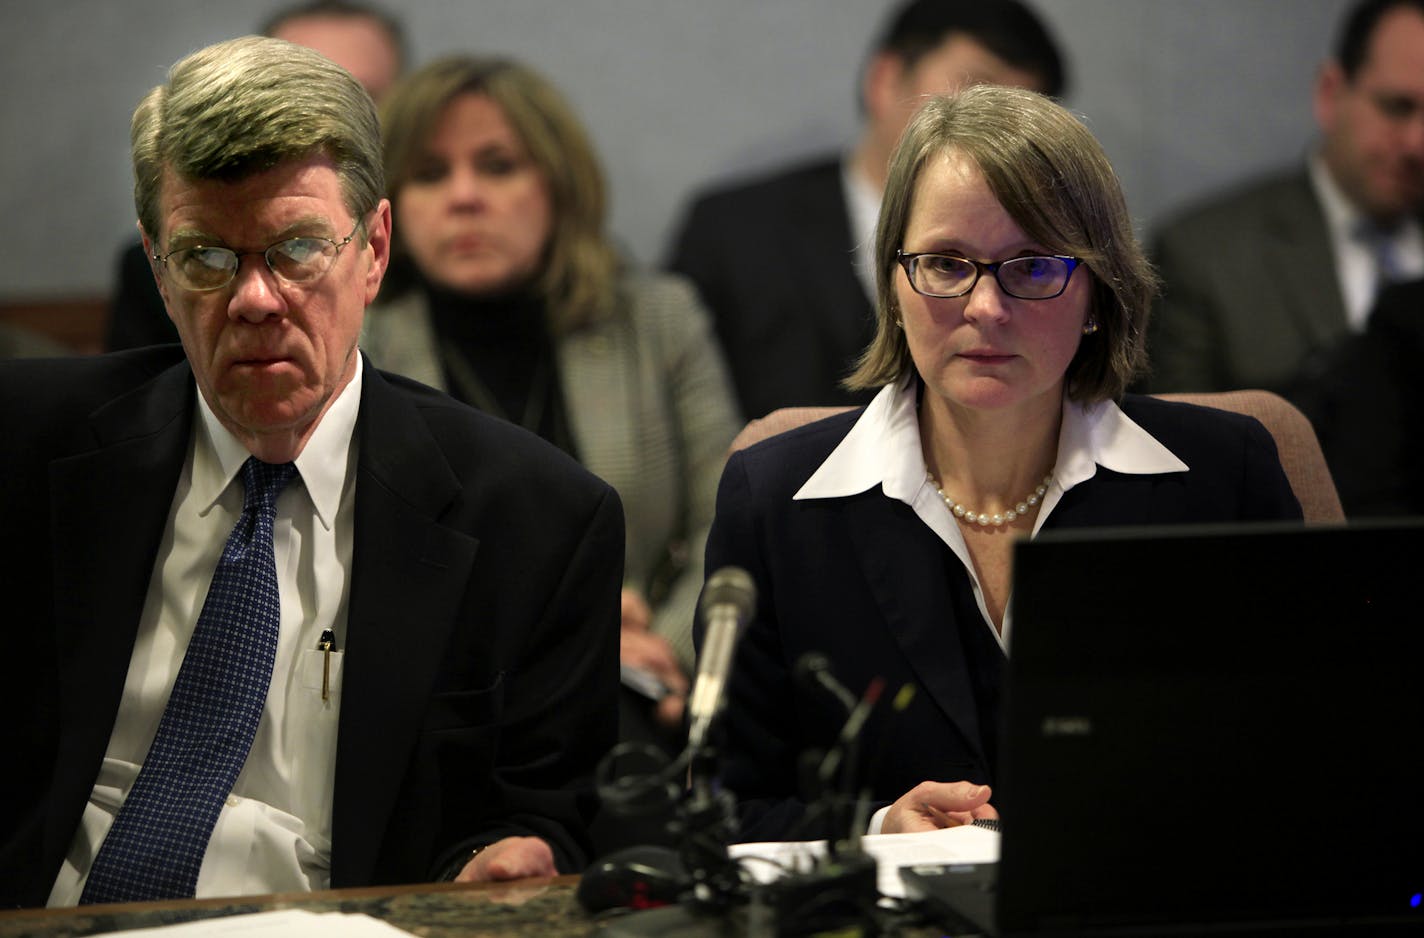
[407, 580]
[1307, 285]
[906, 573]
[835, 297]
[1111, 499]
[109, 507]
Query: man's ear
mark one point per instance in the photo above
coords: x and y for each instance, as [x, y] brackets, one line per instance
[378, 242]
[148, 252]
[1330, 83]
[882, 87]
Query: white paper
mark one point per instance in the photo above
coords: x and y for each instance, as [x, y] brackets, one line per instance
[282, 923]
[966, 844]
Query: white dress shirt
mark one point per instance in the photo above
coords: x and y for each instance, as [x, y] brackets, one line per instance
[274, 832]
[863, 209]
[1355, 259]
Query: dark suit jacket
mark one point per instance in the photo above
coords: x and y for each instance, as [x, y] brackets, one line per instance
[1367, 407]
[136, 313]
[480, 673]
[773, 261]
[1250, 296]
[867, 583]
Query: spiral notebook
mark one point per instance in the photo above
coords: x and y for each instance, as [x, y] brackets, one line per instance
[1207, 729]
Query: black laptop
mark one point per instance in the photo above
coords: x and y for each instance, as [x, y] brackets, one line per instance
[1208, 730]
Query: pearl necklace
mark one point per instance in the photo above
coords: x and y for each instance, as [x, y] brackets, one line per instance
[984, 518]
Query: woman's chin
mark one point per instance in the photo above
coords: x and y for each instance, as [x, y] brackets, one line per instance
[991, 394]
[475, 278]
[479, 286]
[981, 392]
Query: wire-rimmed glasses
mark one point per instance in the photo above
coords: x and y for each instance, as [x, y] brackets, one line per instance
[297, 261]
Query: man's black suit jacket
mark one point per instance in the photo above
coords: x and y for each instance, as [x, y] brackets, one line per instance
[774, 261]
[480, 674]
[863, 581]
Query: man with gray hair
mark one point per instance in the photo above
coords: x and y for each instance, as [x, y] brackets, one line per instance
[358, 664]
[362, 38]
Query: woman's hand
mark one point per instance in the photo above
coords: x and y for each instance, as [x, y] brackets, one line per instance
[932, 805]
[640, 648]
[637, 615]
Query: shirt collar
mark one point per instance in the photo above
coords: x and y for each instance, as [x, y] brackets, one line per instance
[1340, 213]
[883, 448]
[1345, 220]
[873, 452]
[1100, 434]
[863, 211]
[322, 464]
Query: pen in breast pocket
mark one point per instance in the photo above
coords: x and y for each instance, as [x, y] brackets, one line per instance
[326, 644]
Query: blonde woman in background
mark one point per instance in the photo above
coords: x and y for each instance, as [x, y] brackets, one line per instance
[507, 292]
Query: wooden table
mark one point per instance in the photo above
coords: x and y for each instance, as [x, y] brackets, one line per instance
[544, 907]
[528, 907]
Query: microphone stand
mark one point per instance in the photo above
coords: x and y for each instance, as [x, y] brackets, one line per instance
[708, 820]
[840, 893]
[712, 886]
[716, 902]
[714, 896]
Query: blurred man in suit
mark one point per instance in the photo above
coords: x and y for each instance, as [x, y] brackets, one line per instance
[363, 39]
[1367, 407]
[1262, 282]
[388, 653]
[783, 262]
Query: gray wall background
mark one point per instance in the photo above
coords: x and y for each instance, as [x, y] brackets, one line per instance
[1185, 96]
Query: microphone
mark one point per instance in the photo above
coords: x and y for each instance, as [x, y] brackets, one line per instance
[814, 668]
[847, 744]
[728, 601]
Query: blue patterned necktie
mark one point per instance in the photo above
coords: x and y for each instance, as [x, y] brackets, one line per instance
[1383, 251]
[157, 842]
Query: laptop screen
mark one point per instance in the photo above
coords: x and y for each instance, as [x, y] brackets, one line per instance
[1214, 724]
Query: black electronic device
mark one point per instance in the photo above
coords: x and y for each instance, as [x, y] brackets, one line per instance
[640, 877]
[1207, 729]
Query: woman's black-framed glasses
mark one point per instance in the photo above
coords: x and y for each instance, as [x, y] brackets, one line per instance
[1032, 277]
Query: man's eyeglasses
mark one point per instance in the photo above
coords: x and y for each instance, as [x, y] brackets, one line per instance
[296, 261]
[1036, 277]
